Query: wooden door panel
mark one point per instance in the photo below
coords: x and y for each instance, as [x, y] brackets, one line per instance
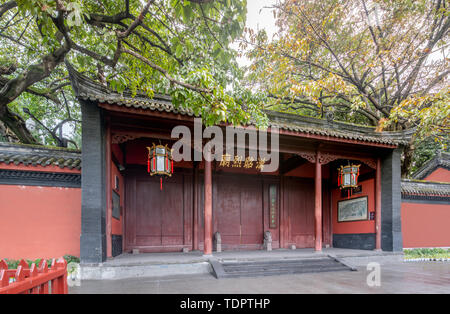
[172, 213]
[171, 240]
[227, 209]
[148, 212]
[252, 222]
[238, 210]
[148, 240]
[154, 218]
[300, 208]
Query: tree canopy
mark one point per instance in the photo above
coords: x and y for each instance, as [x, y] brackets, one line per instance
[374, 62]
[175, 47]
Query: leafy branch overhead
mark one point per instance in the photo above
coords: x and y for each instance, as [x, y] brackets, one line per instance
[174, 47]
[374, 62]
[365, 57]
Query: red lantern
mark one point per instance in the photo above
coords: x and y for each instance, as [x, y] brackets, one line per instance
[348, 177]
[160, 161]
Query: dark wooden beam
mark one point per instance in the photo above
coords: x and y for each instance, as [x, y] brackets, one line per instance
[291, 163]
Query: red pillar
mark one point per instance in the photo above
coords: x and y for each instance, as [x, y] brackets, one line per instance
[207, 250]
[195, 229]
[378, 205]
[318, 205]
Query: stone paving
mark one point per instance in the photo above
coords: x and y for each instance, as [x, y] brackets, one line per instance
[412, 277]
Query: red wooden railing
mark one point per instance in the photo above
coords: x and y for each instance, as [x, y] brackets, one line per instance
[37, 279]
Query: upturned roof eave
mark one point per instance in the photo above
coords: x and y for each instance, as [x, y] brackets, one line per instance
[87, 89]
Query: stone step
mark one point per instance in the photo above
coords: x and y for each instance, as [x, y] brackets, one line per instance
[276, 267]
[302, 268]
[277, 262]
[280, 272]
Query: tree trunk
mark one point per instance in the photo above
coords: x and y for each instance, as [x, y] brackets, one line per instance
[408, 153]
[17, 125]
[16, 86]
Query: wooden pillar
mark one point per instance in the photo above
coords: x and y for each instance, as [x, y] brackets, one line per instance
[378, 205]
[318, 205]
[195, 205]
[207, 250]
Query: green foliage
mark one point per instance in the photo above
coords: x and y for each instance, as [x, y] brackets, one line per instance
[425, 149]
[364, 61]
[433, 253]
[183, 51]
[12, 264]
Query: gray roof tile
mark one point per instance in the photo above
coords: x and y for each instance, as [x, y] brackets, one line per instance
[441, 159]
[87, 89]
[425, 188]
[39, 155]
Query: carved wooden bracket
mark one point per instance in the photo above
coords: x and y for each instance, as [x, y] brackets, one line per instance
[325, 158]
[372, 163]
[311, 157]
[122, 138]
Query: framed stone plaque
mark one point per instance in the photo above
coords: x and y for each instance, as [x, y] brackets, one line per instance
[353, 209]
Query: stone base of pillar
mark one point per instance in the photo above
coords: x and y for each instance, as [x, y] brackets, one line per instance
[217, 242]
[267, 241]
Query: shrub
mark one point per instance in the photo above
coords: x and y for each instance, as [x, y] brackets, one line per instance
[12, 264]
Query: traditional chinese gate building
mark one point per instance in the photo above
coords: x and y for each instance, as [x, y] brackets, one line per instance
[124, 209]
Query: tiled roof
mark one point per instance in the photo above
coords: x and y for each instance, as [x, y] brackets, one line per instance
[11, 153]
[441, 159]
[425, 188]
[337, 129]
[86, 89]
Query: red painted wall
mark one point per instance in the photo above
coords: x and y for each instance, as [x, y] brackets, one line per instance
[12, 166]
[439, 175]
[365, 226]
[39, 222]
[116, 224]
[308, 170]
[425, 225]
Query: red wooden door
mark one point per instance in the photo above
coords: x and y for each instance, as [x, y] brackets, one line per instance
[155, 219]
[238, 211]
[299, 205]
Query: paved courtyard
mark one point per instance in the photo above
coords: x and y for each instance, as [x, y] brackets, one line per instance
[412, 277]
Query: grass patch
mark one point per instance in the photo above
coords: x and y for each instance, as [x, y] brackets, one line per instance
[12, 264]
[426, 253]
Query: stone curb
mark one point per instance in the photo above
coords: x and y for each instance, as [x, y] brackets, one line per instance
[124, 272]
[427, 260]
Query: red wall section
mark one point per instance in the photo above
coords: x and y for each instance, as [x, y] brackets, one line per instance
[365, 226]
[439, 175]
[39, 222]
[12, 166]
[425, 225]
[308, 170]
[116, 224]
[117, 152]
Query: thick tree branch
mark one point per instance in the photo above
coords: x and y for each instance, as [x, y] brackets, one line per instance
[165, 73]
[5, 7]
[137, 21]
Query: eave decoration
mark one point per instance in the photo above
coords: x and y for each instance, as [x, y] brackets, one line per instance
[160, 162]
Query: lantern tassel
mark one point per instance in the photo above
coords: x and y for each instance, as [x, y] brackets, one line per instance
[160, 181]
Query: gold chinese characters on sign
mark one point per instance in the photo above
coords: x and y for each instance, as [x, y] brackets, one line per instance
[239, 162]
